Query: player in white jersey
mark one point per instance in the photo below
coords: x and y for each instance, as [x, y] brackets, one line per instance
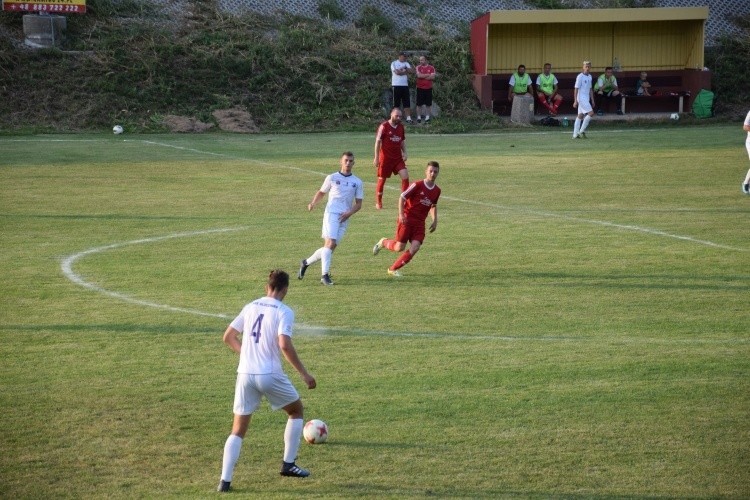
[583, 98]
[746, 128]
[345, 194]
[260, 334]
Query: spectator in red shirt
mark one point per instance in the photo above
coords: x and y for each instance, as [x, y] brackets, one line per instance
[419, 200]
[390, 154]
[425, 76]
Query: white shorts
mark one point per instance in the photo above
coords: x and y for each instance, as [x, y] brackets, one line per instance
[249, 390]
[332, 228]
[584, 107]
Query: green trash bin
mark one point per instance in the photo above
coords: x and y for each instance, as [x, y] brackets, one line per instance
[703, 105]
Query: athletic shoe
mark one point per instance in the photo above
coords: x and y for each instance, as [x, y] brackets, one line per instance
[302, 269]
[378, 246]
[326, 279]
[746, 188]
[223, 486]
[582, 135]
[395, 273]
[426, 119]
[408, 120]
[575, 136]
[419, 119]
[378, 205]
[292, 470]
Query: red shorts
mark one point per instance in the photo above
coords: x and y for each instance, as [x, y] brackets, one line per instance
[410, 232]
[388, 167]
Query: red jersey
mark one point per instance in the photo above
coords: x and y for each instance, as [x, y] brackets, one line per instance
[424, 83]
[418, 200]
[391, 139]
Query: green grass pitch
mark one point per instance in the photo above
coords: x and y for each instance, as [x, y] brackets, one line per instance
[578, 326]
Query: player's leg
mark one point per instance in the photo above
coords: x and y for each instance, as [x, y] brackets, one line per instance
[246, 401]
[406, 257]
[556, 101]
[577, 125]
[746, 182]
[403, 172]
[427, 105]
[406, 99]
[282, 394]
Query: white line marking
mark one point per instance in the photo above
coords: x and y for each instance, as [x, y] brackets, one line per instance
[67, 269]
[645, 230]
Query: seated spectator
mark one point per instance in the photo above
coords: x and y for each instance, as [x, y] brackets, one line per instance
[546, 90]
[519, 83]
[606, 89]
[642, 87]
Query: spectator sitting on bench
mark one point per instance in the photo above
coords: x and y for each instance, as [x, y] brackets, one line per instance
[606, 89]
[519, 84]
[546, 90]
[642, 87]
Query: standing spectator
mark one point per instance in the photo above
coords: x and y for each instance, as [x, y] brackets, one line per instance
[642, 87]
[546, 90]
[606, 90]
[400, 69]
[390, 154]
[419, 200]
[425, 76]
[746, 128]
[265, 326]
[583, 97]
[519, 83]
[345, 193]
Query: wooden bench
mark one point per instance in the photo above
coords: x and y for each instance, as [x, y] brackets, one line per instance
[673, 93]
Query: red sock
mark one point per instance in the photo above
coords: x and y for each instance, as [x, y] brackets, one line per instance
[404, 184]
[389, 244]
[379, 189]
[401, 261]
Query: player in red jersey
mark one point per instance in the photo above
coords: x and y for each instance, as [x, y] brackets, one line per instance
[390, 154]
[419, 200]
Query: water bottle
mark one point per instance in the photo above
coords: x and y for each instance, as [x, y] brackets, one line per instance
[564, 121]
[616, 65]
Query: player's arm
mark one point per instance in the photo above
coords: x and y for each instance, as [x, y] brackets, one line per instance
[232, 339]
[316, 199]
[403, 149]
[433, 215]
[401, 205]
[746, 127]
[575, 97]
[290, 354]
[378, 144]
[355, 208]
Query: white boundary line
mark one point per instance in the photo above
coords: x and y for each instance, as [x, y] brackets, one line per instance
[67, 269]
[68, 262]
[645, 230]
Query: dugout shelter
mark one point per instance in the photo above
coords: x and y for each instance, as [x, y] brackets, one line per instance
[668, 43]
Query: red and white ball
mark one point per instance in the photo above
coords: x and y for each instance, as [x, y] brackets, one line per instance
[315, 431]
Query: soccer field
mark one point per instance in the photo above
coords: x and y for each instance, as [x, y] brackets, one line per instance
[577, 326]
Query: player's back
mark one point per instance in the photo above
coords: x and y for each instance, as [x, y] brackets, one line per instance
[264, 320]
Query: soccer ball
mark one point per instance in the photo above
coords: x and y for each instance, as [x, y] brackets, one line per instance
[315, 432]
[675, 116]
[117, 129]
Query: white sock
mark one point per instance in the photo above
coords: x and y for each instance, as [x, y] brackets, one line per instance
[577, 127]
[586, 121]
[292, 435]
[315, 257]
[747, 177]
[231, 453]
[325, 257]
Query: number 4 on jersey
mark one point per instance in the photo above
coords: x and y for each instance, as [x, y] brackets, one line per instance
[255, 331]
